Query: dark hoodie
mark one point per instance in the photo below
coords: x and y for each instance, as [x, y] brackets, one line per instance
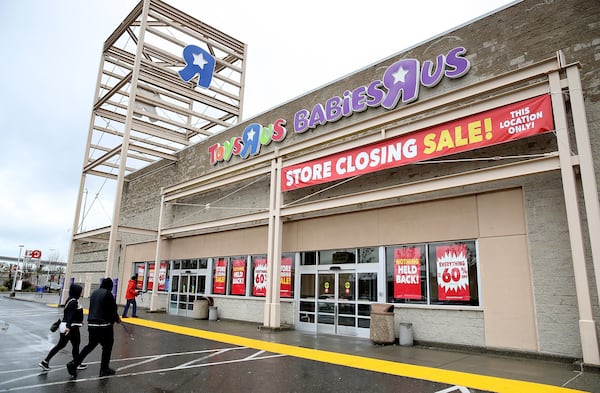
[73, 314]
[103, 307]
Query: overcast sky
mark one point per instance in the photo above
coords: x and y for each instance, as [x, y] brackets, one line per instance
[50, 58]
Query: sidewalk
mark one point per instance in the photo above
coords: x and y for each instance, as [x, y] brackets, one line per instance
[550, 371]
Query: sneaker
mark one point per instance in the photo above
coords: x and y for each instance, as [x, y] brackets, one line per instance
[134, 316]
[123, 316]
[82, 366]
[72, 369]
[44, 365]
[107, 372]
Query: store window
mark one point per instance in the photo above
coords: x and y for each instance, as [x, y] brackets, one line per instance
[434, 273]
[337, 257]
[145, 273]
[367, 287]
[453, 274]
[308, 258]
[286, 276]
[238, 276]
[368, 255]
[220, 268]
[307, 297]
[406, 267]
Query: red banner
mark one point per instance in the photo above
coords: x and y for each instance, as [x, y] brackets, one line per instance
[220, 276]
[407, 273]
[500, 125]
[238, 277]
[452, 272]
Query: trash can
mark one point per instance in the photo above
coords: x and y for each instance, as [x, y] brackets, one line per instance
[406, 334]
[213, 313]
[200, 310]
[382, 324]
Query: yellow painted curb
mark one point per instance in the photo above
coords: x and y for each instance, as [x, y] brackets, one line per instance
[494, 384]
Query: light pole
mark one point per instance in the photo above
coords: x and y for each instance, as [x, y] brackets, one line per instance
[51, 259]
[12, 293]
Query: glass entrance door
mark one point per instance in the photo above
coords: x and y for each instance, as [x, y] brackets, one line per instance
[185, 289]
[336, 305]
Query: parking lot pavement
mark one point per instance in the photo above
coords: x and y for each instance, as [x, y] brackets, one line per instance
[159, 344]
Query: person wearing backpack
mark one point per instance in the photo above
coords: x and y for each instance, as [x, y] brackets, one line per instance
[69, 328]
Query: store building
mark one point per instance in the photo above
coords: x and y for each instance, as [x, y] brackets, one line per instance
[456, 180]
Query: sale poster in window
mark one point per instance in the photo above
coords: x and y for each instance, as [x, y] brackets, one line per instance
[162, 276]
[407, 273]
[238, 277]
[452, 272]
[260, 277]
[139, 284]
[220, 276]
[285, 279]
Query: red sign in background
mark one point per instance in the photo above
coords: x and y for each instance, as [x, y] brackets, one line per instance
[140, 277]
[452, 272]
[220, 276]
[500, 125]
[260, 277]
[162, 276]
[285, 278]
[407, 273]
[238, 277]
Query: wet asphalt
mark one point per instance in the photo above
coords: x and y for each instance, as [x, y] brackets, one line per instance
[164, 353]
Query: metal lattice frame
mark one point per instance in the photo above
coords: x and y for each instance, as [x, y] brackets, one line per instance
[144, 112]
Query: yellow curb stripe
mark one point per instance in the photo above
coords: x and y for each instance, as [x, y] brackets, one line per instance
[476, 381]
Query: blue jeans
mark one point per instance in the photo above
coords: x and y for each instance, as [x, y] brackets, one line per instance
[134, 310]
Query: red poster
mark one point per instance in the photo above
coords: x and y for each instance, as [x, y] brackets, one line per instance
[162, 276]
[238, 277]
[285, 279]
[452, 272]
[260, 277]
[407, 273]
[500, 125]
[140, 277]
[220, 276]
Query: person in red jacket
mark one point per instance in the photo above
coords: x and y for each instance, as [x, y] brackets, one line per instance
[130, 297]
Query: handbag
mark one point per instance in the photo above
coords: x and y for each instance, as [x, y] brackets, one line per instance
[55, 325]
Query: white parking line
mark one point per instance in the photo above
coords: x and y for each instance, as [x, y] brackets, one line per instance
[220, 352]
[148, 359]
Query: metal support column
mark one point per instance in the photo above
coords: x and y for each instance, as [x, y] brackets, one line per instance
[157, 257]
[272, 315]
[587, 326]
[586, 165]
[114, 229]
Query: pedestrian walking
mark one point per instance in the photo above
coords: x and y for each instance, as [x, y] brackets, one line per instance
[103, 313]
[130, 297]
[69, 328]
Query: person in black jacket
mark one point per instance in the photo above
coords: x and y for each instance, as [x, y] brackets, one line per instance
[69, 328]
[103, 313]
